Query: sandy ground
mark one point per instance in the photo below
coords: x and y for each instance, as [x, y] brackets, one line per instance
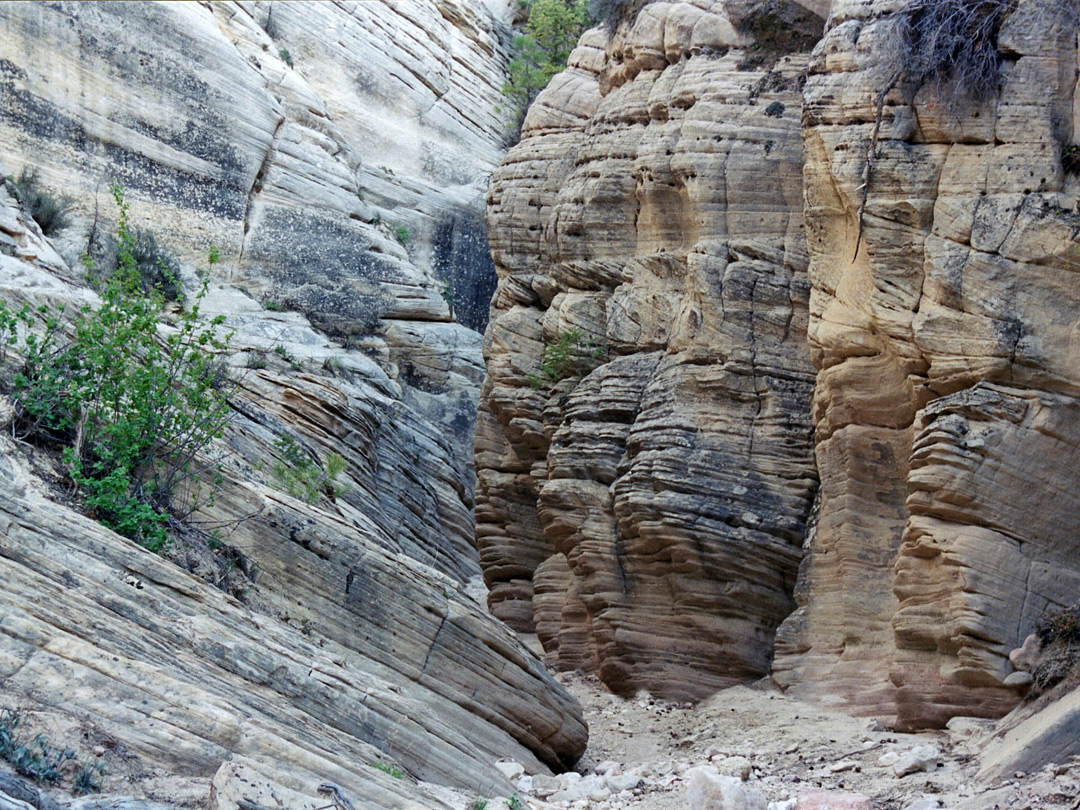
[785, 748]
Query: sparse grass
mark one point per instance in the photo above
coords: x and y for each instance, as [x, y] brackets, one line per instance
[402, 234]
[515, 803]
[479, 804]
[302, 477]
[286, 57]
[49, 212]
[390, 770]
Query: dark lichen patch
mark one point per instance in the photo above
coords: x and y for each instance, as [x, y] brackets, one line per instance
[779, 27]
[323, 267]
[463, 263]
[42, 120]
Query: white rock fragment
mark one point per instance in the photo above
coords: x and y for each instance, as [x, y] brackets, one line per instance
[888, 759]
[707, 789]
[919, 758]
[843, 765]
[511, 770]
[738, 767]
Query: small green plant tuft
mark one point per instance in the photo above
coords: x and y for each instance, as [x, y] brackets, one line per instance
[271, 305]
[39, 760]
[390, 770]
[255, 360]
[286, 57]
[301, 476]
[88, 778]
[515, 803]
[479, 804]
[402, 234]
[49, 212]
[571, 353]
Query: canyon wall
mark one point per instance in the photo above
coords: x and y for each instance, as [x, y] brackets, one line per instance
[943, 326]
[290, 641]
[643, 508]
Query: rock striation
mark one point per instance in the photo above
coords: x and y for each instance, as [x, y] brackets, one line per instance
[333, 635]
[337, 154]
[945, 408]
[643, 504]
[307, 642]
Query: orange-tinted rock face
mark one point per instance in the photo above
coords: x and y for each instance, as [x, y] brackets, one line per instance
[645, 514]
[945, 406]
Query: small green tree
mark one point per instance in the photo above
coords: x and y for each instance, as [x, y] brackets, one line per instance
[550, 35]
[298, 473]
[135, 410]
[573, 352]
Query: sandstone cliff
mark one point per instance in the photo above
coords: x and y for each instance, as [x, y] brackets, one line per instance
[344, 636]
[645, 514]
[646, 517]
[945, 404]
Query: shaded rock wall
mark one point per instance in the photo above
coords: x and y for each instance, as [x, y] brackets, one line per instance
[646, 517]
[945, 404]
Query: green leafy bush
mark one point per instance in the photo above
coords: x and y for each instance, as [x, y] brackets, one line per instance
[134, 410]
[156, 267]
[571, 353]
[301, 476]
[46, 210]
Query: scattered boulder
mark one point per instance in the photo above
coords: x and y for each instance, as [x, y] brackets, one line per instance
[1026, 655]
[738, 767]
[920, 758]
[511, 769]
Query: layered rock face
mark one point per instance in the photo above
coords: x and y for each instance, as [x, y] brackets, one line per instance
[946, 408]
[642, 504]
[309, 141]
[343, 636]
[340, 633]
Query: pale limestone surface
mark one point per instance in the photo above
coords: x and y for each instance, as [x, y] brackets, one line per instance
[946, 399]
[647, 519]
[355, 642]
[301, 176]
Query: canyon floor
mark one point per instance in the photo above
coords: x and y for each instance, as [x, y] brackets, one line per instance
[786, 749]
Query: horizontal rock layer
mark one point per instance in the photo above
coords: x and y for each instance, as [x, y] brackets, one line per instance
[336, 153]
[645, 512]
